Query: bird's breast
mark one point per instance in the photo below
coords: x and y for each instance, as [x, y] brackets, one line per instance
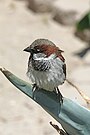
[47, 74]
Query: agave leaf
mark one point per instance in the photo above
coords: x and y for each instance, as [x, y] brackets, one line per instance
[74, 118]
[25, 87]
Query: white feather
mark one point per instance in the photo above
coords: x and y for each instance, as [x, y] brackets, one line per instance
[38, 57]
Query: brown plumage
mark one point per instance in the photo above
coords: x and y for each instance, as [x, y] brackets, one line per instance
[49, 49]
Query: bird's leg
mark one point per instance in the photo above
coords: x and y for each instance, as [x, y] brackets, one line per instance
[35, 87]
[59, 94]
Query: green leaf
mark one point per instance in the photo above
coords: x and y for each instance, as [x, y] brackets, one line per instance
[74, 118]
[84, 23]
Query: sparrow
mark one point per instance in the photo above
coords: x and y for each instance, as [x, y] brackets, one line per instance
[46, 65]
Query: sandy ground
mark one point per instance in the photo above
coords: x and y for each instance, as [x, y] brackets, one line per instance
[19, 26]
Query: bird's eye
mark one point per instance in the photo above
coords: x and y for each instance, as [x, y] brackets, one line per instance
[38, 50]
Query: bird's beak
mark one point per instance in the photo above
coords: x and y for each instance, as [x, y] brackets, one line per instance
[27, 49]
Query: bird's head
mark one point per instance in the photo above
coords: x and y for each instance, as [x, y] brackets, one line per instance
[44, 46]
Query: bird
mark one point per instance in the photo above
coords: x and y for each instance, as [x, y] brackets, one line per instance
[46, 65]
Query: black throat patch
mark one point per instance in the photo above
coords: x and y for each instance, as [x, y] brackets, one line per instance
[41, 65]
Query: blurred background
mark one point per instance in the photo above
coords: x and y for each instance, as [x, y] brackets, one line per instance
[64, 22]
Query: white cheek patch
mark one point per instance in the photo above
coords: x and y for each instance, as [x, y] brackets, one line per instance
[41, 56]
